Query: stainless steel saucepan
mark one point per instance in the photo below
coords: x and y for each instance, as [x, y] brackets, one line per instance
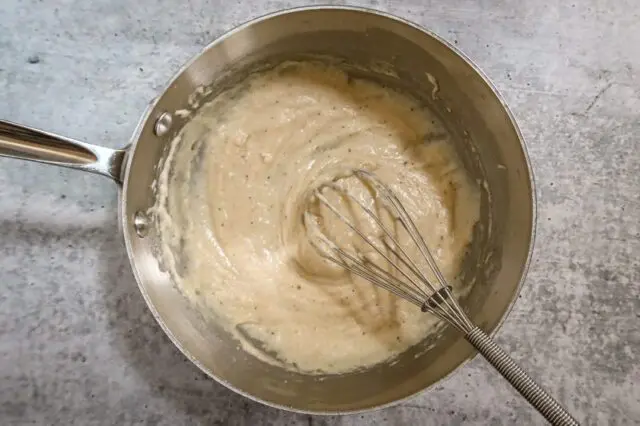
[372, 45]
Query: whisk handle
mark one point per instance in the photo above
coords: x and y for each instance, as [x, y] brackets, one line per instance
[519, 379]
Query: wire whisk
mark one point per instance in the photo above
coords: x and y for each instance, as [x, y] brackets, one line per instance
[378, 255]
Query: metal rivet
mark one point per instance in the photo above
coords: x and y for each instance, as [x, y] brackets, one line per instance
[141, 224]
[163, 124]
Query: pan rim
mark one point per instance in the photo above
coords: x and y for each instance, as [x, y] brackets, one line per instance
[128, 229]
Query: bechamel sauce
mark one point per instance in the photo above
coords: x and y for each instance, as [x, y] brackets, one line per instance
[230, 198]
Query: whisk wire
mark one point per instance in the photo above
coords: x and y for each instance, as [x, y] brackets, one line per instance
[365, 238]
[402, 256]
[381, 189]
[358, 267]
[438, 300]
[458, 318]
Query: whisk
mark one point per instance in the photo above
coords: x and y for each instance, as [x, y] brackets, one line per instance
[388, 264]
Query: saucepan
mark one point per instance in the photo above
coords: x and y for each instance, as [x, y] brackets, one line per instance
[375, 45]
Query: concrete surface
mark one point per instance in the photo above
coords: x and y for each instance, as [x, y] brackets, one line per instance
[77, 344]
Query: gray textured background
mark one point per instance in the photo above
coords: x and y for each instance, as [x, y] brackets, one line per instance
[77, 345]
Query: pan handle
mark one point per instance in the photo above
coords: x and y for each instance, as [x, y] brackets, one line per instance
[25, 143]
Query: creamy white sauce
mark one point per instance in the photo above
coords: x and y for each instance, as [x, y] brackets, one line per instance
[229, 208]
